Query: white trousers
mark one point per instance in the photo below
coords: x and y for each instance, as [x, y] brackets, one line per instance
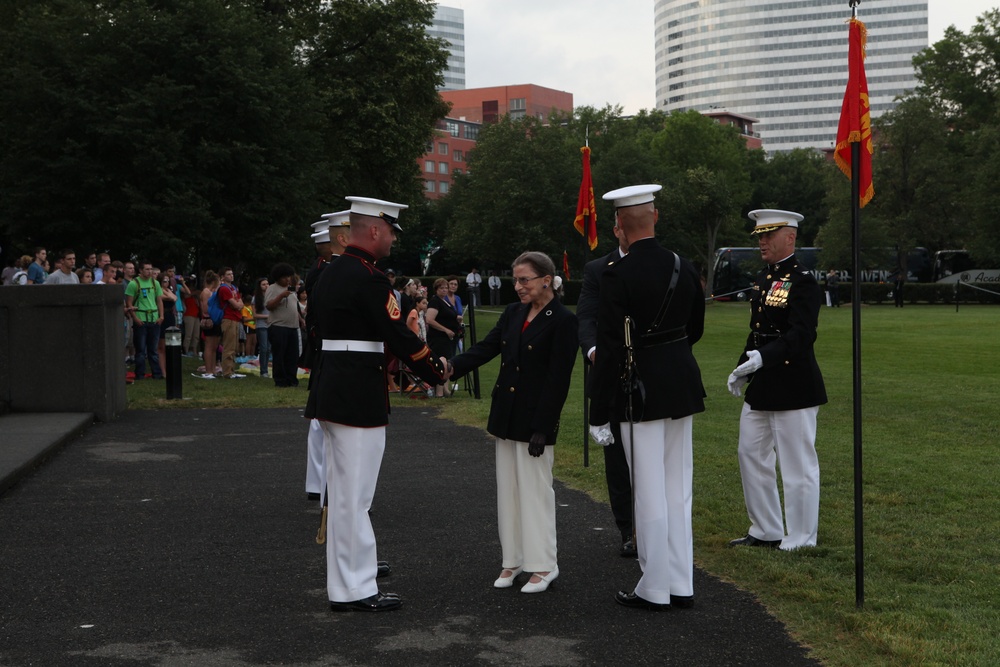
[785, 438]
[315, 468]
[354, 456]
[662, 468]
[526, 507]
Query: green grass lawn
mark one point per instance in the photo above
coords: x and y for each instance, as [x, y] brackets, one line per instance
[931, 422]
[249, 392]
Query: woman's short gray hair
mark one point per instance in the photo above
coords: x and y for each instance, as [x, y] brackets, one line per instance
[539, 261]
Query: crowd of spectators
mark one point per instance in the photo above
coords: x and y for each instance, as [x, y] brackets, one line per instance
[263, 329]
[97, 268]
[157, 298]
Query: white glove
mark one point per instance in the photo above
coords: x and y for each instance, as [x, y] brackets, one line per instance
[735, 384]
[602, 435]
[753, 363]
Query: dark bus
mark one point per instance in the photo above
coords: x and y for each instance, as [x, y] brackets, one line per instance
[736, 268]
[952, 266]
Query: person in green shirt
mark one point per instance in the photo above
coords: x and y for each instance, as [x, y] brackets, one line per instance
[144, 305]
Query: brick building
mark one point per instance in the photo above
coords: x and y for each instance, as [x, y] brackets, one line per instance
[456, 135]
[446, 154]
[743, 123]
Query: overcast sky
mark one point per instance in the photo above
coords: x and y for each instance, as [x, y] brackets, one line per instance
[600, 51]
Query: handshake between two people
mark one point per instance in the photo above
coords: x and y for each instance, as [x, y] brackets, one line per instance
[536, 445]
[449, 370]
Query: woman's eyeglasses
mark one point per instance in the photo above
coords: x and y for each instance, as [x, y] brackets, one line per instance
[524, 281]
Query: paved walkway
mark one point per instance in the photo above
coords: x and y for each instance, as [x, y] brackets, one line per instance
[27, 440]
[184, 537]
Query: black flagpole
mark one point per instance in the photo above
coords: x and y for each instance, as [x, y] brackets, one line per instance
[586, 418]
[586, 370]
[859, 535]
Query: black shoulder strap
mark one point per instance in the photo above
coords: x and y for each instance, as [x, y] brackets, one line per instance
[669, 295]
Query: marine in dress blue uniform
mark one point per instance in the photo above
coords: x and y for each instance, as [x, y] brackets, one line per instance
[784, 389]
[658, 437]
[327, 250]
[357, 317]
[616, 473]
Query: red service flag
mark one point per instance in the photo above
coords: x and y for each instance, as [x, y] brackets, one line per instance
[855, 118]
[566, 264]
[586, 211]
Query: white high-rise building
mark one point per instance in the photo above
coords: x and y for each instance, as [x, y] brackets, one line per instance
[449, 25]
[783, 63]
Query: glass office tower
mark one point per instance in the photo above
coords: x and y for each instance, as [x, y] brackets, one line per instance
[449, 25]
[784, 63]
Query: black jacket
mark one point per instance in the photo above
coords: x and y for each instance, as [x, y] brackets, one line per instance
[636, 286]
[784, 313]
[354, 301]
[310, 348]
[586, 308]
[536, 366]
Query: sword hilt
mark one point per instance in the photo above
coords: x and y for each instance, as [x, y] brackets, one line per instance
[321, 533]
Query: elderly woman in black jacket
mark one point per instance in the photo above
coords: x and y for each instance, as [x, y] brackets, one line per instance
[536, 340]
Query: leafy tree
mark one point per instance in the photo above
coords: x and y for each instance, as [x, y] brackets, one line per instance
[962, 73]
[836, 235]
[793, 181]
[376, 72]
[707, 183]
[699, 202]
[920, 175]
[167, 131]
[518, 194]
[207, 131]
[947, 131]
[983, 202]
[934, 153]
[523, 180]
[623, 155]
[960, 82]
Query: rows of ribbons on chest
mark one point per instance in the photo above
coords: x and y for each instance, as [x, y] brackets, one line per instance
[777, 295]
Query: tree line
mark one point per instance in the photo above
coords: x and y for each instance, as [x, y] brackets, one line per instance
[211, 132]
[522, 181]
[936, 163]
[938, 152]
[208, 132]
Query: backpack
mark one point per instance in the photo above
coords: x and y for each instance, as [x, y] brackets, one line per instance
[16, 278]
[215, 309]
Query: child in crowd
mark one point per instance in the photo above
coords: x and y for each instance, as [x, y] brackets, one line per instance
[249, 331]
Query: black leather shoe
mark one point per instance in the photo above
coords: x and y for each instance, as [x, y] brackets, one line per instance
[628, 549]
[751, 541]
[682, 601]
[635, 602]
[380, 602]
[383, 569]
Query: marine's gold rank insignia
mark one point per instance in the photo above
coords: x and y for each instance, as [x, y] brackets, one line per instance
[392, 307]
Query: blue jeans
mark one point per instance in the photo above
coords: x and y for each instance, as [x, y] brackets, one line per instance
[264, 346]
[146, 338]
